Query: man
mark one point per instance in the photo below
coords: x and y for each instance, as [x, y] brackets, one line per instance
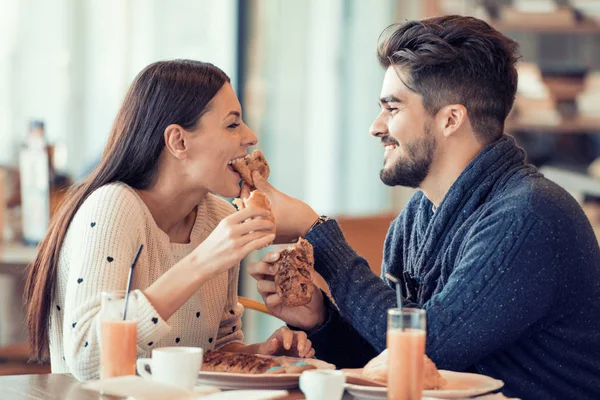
[504, 261]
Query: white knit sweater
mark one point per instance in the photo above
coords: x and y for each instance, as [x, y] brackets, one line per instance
[96, 255]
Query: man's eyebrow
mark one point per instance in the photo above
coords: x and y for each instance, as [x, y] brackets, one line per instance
[389, 99]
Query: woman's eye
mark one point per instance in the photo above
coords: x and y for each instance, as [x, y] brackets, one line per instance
[233, 126]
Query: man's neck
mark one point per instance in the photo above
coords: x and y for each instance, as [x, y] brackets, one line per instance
[446, 169]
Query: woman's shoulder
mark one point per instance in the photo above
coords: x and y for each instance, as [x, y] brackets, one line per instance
[113, 201]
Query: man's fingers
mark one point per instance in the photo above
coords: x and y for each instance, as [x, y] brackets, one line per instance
[266, 287]
[270, 257]
[273, 300]
[260, 270]
[261, 183]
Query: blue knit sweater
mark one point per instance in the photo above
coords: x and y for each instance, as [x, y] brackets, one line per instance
[507, 267]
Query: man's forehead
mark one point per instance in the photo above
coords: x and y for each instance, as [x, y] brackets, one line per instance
[393, 85]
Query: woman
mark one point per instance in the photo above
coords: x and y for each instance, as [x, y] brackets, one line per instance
[169, 150]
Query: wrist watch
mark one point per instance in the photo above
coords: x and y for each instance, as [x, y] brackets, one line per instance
[318, 222]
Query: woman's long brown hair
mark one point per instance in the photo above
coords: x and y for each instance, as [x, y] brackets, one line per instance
[164, 93]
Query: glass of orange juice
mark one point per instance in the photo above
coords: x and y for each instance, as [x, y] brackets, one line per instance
[406, 334]
[118, 336]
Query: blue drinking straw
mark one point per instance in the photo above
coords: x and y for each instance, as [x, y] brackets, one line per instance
[395, 280]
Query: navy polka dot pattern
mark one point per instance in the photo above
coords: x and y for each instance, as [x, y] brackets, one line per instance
[100, 234]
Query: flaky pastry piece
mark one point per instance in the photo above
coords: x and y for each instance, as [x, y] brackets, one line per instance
[293, 276]
[255, 161]
[377, 370]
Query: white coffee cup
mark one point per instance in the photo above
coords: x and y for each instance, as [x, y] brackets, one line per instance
[320, 384]
[176, 366]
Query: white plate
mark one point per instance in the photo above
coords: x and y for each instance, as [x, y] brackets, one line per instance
[226, 380]
[460, 385]
[248, 395]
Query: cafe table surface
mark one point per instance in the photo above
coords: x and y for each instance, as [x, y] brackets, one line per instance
[66, 387]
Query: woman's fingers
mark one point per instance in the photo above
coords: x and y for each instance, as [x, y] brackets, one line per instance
[260, 241]
[247, 213]
[253, 225]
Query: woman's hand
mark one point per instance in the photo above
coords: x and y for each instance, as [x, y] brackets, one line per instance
[292, 216]
[285, 342]
[233, 239]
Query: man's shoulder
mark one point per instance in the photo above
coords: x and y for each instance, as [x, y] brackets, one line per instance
[536, 197]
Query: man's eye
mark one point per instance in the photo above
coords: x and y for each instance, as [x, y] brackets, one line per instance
[391, 109]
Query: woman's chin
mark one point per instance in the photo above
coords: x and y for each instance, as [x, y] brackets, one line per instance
[229, 191]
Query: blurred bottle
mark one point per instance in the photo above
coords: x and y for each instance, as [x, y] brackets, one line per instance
[3, 206]
[35, 176]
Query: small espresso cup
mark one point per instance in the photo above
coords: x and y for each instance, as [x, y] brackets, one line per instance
[318, 384]
[175, 366]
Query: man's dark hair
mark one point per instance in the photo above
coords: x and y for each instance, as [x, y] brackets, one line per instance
[456, 60]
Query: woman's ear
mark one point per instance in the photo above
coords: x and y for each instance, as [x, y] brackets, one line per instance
[451, 118]
[175, 141]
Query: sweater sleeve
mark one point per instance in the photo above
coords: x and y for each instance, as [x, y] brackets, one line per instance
[480, 308]
[332, 340]
[103, 239]
[230, 328]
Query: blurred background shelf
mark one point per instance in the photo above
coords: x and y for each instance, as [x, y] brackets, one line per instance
[583, 27]
[575, 125]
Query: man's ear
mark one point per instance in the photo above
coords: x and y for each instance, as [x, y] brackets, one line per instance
[451, 118]
[175, 138]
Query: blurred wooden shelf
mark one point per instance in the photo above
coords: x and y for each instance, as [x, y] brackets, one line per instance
[560, 19]
[582, 27]
[577, 125]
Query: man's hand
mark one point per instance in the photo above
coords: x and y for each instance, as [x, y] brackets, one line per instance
[305, 317]
[292, 216]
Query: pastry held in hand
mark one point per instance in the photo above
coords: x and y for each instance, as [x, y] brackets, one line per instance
[377, 370]
[255, 161]
[257, 200]
[293, 276]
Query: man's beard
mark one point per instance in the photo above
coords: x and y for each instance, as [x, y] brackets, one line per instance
[413, 168]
